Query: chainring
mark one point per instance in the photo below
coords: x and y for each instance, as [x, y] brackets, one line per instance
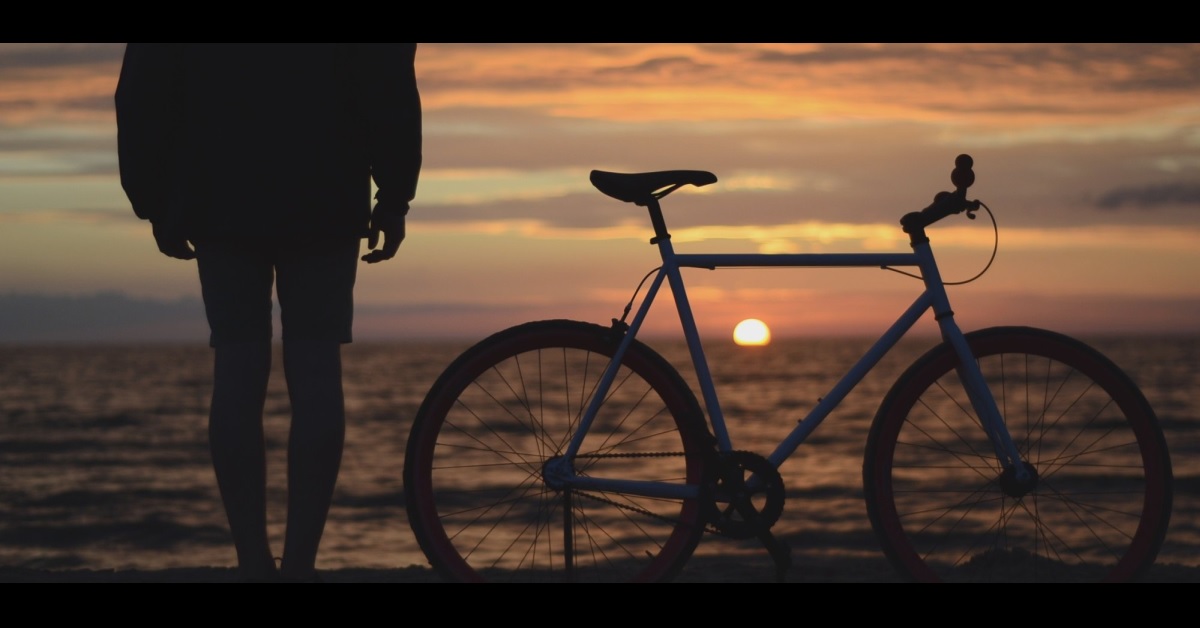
[748, 496]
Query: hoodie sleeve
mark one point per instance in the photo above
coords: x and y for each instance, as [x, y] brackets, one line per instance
[148, 106]
[392, 106]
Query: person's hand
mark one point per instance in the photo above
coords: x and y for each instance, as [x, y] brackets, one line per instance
[172, 242]
[390, 222]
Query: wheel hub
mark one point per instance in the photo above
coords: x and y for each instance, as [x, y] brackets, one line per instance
[1014, 487]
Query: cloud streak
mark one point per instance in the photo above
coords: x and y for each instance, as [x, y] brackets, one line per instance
[1151, 196]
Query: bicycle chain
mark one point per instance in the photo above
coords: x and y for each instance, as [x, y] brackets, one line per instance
[706, 485]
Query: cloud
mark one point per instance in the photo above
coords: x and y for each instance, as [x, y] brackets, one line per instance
[74, 216]
[1105, 67]
[1150, 196]
[58, 83]
[35, 58]
[673, 67]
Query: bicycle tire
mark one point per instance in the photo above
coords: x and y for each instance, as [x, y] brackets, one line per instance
[475, 495]
[1102, 501]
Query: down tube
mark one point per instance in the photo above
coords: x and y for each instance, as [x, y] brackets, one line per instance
[851, 379]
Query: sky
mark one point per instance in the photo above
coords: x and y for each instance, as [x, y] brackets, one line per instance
[1087, 154]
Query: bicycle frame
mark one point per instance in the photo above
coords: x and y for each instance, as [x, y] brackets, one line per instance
[933, 297]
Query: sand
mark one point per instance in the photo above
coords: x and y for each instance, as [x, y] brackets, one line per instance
[699, 570]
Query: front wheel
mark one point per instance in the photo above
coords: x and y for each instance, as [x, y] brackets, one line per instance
[480, 466]
[943, 507]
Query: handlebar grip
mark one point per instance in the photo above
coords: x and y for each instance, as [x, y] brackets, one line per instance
[946, 203]
[963, 176]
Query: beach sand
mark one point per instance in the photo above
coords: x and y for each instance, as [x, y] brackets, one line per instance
[707, 569]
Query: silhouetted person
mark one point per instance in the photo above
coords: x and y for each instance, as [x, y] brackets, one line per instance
[257, 161]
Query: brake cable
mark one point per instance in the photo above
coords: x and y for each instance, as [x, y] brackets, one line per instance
[995, 247]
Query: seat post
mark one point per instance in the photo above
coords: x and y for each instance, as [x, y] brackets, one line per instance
[656, 219]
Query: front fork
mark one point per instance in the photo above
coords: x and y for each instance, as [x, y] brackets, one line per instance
[1018, 476]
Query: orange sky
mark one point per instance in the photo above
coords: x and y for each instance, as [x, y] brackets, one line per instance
[1088, 154]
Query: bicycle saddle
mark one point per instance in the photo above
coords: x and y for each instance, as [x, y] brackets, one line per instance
[640, 187]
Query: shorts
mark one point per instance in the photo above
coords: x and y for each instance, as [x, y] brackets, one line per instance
[315, 286]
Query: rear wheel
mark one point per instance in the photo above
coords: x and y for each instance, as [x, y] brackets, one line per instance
[944, 509]
[475, 477]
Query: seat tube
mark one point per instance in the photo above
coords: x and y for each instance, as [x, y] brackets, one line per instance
[691, 333]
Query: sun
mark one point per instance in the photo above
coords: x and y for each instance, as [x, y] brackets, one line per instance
[751, 333]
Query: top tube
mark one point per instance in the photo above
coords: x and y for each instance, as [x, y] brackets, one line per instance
[730, 260]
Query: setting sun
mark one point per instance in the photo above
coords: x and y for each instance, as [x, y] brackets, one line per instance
[751, 332]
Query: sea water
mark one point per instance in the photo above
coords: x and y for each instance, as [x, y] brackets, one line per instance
[105, 464]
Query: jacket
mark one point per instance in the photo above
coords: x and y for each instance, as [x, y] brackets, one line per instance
[279, 141]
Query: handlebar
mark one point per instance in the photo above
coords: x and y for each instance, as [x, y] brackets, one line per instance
[945, 203]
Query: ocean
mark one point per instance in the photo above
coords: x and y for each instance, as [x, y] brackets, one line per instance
[105, 463]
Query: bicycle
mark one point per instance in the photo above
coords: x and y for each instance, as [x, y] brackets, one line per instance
[566, 450]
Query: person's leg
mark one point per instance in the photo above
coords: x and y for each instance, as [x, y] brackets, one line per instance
[236, 285]
[235, 434]
[314, 378]
[315, 290]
